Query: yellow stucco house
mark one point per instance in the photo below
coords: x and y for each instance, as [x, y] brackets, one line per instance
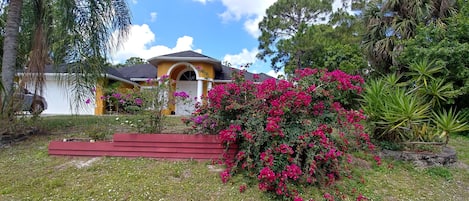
[191, 72]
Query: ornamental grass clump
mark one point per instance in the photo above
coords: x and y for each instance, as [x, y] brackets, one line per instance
[290, 133]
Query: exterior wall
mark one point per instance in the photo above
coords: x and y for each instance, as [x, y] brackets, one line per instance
[205, 70]
[60, 99]
[99, 109]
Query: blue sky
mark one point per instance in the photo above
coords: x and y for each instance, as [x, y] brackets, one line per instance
[226, 30]
[223, 29]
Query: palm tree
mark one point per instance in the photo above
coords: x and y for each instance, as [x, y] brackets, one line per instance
[74, 32]
[10, 44]
[390, 21]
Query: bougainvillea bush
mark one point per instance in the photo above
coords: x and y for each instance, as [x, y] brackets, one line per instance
[290, 133]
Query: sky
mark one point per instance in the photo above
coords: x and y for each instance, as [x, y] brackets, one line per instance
[226, 30]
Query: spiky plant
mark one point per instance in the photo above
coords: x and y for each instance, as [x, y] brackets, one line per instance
[448, 122]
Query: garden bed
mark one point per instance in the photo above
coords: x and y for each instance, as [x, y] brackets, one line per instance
[160, 146]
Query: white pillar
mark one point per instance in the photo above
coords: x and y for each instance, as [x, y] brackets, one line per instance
[209, 85]
[199, 90]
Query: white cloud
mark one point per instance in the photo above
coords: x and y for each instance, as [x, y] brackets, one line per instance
[244, 57]
[203, 1]
[153, 16]
[139, 41]
[252, 26]
[134, 1]
[251, 11]
[274, 74]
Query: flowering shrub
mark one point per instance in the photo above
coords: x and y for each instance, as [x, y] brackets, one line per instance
[148, 103]
[130, 102]
[289, 132]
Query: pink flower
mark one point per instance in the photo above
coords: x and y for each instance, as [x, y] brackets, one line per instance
[255, 76]
[116, 95]
[88, 101]
[285, 149]
[377, 159]
[292, 171]
[230, 134]
[297, 198]
[225, 175]
[328, 197]
[164, 77]
[267, 174]
[181, 94]
[361, 198]
[138, 101]
[242, 188]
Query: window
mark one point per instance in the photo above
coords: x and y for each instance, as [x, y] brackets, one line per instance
[188, 76]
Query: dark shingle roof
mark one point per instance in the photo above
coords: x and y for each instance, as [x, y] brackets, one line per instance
[226, 74]
[138, 71]
[188, 53]
[186, 56]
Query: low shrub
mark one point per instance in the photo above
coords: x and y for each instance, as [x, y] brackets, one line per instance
[290, 133]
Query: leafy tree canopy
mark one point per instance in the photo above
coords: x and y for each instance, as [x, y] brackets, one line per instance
[284, 20]
[135, 60]
[448, 44]
[390, 21]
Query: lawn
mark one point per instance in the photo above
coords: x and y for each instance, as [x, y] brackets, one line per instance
[28, 173]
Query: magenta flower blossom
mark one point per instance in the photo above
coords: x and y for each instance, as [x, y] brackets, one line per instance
[116, 95]
[138, 101]
[225, 175]
[181, 94]
[163, 77]
[149, 80]
[88, 101]
[256, 76]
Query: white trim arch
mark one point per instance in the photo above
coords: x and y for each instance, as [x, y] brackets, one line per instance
[178, 77]
[186, 64]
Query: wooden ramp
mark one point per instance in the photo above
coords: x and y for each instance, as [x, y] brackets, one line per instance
[161, 146]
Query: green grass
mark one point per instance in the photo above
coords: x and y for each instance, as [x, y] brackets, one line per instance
[28, 173]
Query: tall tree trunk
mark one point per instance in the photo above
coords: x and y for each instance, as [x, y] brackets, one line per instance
[10, 44]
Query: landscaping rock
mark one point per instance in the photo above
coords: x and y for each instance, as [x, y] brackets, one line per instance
[446, 157]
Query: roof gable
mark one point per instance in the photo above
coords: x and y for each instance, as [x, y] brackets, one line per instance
[186, 56]
[188, 53]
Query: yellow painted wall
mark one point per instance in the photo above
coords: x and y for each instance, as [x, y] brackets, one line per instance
[99, 109]
[163, 68]
[205, 70]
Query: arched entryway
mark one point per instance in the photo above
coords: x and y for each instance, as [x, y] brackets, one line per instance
[186, 82]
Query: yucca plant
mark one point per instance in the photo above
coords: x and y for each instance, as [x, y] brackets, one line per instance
[448, 122]
[421, 72]
[403, 113]
[372, 98]
[439, 92]
[394, 80]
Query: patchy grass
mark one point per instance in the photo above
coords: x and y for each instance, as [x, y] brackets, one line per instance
[28, 173]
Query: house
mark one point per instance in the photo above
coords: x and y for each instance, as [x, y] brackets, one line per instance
[192, 72]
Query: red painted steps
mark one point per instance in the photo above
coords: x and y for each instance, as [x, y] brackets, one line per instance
[161, 146]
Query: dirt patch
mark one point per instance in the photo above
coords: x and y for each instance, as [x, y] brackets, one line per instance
[78, 163]
[215, 168]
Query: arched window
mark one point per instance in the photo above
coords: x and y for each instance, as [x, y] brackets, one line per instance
[188, 76]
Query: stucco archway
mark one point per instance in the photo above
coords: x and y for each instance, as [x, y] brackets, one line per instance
[187, 80]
